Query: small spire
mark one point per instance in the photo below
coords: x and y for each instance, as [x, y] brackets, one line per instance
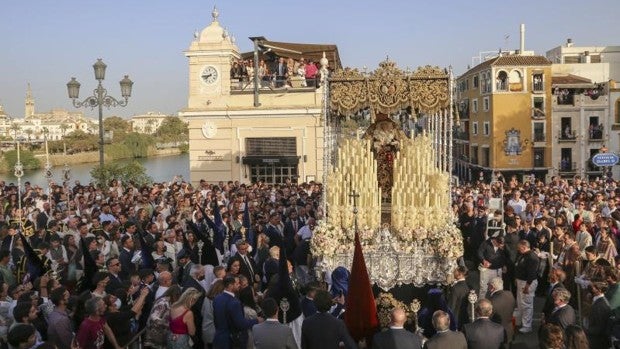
[215, 13]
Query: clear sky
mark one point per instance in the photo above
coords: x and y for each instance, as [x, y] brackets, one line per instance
[46, 42]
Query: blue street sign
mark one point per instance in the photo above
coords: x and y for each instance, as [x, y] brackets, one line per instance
[605, 159]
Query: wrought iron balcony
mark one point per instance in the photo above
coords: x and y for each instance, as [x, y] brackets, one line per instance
[564, 137]
[567, 166]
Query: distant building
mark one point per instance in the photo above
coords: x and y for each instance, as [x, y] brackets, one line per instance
[147, 123]
[585, 104]
[57, 121]
[505, 111]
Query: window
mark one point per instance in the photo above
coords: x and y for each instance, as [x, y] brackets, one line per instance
[538, 83]
[501, 82]
[487, 81]
[566, 160]
[566, 132]
[485, 104]
[617, 119]
[538, 107]
[516, 81]
[476, 81]
[539, 131]
[539, 157]
[474, 105]
[474, 129]
[464, 109]
[485, 128]
[474, 155]
[486, 157]
[595, 129]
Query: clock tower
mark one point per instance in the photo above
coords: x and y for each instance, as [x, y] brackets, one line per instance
[210, 58]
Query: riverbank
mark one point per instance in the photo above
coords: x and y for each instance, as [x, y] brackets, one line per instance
[89, 157]
[93, 156]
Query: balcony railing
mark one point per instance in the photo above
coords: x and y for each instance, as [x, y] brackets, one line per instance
[570, 137]
[565, 99]
[595, 134]
[538, 86]
[567, 166]
[501, 85]
[539, 137]
[462, 135]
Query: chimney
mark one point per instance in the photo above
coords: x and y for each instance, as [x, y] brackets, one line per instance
[522, 48]
[569, 42]
[586, 57]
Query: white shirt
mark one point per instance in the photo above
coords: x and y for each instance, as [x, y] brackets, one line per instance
[305, 232]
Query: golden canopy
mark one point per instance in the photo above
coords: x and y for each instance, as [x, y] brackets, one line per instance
[388, 90]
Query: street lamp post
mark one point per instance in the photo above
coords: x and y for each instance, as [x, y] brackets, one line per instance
[48, 166]
[100, 98]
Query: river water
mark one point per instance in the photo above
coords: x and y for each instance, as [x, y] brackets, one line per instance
[160, 169]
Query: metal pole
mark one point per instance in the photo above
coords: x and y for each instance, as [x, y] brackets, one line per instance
[19, 172]
[256, 81]
[100, 92]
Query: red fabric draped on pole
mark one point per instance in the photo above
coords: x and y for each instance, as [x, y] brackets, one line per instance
[361, 311]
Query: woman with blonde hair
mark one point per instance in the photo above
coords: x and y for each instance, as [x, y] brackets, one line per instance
[181, 323]
[157, 326]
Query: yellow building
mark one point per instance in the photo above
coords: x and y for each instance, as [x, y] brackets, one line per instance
[505, 118]
[235, 134]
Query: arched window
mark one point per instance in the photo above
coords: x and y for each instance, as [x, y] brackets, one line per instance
[516, 80]
[501, 82]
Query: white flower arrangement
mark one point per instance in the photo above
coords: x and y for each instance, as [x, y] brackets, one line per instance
[443, 241]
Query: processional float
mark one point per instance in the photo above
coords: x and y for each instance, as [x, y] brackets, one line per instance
[406, 225]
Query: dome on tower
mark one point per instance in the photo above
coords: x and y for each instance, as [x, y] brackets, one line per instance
[214, 33]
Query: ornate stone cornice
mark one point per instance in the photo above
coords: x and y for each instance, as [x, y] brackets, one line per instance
[388, 89]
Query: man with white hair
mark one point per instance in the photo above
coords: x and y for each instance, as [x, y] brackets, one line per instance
[484, 333]
[503, 303]
[563, 314]
[444, 338]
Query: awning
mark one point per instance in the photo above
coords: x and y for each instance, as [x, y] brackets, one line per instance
[271, 160]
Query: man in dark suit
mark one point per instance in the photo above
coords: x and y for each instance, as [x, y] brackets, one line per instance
[274, 230]
[503, 303]
[396, 337]
[248, 267]
[228, 314]
[556, 280]
[457, 297]
[126, 254]
[322, 330]
[114, 268]
[271, 334]
[196, 274]
[484, 333]
[599, 318]
[184, 266]
[444, 338]
[563, 314]
[492, 258]
[291, 227]
[281, 71]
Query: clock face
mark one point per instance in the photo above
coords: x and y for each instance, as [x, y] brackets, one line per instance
[209, 75]
[209, 130]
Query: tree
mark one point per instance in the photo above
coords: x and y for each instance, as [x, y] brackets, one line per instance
[15, 127]
[64, 127]
[132, 172]
[26, 157]
[79, 141]
[138, 144]
[118, 126]
[172, 129]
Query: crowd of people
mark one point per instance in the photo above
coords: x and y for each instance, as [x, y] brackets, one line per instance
[228, 265]
[279, 73]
